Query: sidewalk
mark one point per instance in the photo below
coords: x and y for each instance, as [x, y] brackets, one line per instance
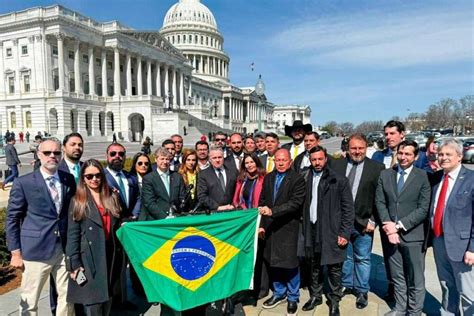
[377, 306]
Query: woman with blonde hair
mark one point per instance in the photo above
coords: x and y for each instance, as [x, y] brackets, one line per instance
[95, 258]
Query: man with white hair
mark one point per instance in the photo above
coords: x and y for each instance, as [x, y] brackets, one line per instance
[452, 229]
[36, 228]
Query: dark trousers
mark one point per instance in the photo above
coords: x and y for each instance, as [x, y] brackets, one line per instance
[386, 253]
[407, 266]
[102, 309]
[317, 279]
[261, 280]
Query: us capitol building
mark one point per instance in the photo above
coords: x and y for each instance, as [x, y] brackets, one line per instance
[64, 72]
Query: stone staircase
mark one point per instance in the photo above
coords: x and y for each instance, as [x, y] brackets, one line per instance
[197, 127]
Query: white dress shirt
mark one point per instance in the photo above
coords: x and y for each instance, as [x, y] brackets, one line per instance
[453, 176]
[116, 176]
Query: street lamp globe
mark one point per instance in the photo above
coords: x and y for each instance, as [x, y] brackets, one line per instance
[260, 86]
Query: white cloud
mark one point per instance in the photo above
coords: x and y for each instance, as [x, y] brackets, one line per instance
[381, 39]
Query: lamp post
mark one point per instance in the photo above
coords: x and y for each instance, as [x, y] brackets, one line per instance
[259, 90]
[170, 97]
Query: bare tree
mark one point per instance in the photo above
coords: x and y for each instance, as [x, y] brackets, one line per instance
[347, 128]
[369, 126]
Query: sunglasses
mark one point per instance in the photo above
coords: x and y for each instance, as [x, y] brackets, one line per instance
[141, 163]
[48, 153]
[220, 139]
[115, 153]
[91, 176]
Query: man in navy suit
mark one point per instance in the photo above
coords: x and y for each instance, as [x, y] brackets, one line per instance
[119, 180]
[36, 228]
[452, 222]
[73, 148]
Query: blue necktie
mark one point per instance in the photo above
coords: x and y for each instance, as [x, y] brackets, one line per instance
[166, 182]
[279, 179]
[122, 188]
[77, 171]
[401, 181]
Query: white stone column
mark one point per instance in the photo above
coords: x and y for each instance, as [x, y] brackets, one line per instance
[167, 83]
[104, 72]
[91, 71]
[158, 80]
[77, 68]
[117, 88]
[207, 65]
[2, 85]
[129, 74]
[215, 66]
[175, 92]
[182, 100]
[202, 63]
[194, 63]
[139, 75]
[149, 89]
[190, 90]
[60, 38]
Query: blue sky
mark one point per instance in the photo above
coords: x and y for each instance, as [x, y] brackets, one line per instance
[349, 60]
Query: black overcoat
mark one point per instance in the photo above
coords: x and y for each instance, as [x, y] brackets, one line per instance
[86, 247]
[281, 229]
[335, 215]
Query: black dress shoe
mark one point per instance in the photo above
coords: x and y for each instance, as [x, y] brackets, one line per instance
[127, 305]
[334, 309]
[346, 291]
[362, 300]
[312, 303]
[273, 301]
[291, 308]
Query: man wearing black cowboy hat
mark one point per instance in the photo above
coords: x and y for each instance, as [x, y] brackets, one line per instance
[296, 132]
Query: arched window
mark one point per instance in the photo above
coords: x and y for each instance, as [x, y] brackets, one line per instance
[28, 119]
[12, 120]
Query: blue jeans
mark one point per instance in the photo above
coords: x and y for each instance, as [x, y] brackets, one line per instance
[286, 282]
[13, 175]
[356, 268]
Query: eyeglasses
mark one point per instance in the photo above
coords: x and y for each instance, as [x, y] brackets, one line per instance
[140, 163]
[48, 153]
[115, 153]
[91, 176]
[220, 139]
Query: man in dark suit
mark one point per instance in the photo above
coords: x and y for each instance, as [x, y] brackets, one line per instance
[301, 162]
[236, 156]
[216, 184]
[36, 228]
[169, 145]
[452, 222]
[280, 204]
[260, 143]
[328, 217]
[272, 143]
[363, 175]
[296, 132]
[121, 181]
[12, 161]
[163, 191]
[178, 145]
[402, 201]
[220, 140]
[73, 148]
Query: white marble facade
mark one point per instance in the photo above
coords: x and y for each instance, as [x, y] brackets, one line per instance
[65, 72]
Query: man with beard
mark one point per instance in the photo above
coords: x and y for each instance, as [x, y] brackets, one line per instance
[220, 140]
[272, 143]
[301, 162]
[36, 228]
[202, 151]
[363, 174]
[328, 217]
[121, 181]
[234, 160]
[73, 147]
[296, 132]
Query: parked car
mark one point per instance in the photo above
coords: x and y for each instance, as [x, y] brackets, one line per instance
[468, 150]
[374, 136]
[420, 138]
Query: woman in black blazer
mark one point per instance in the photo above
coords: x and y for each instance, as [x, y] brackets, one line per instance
[92, 246]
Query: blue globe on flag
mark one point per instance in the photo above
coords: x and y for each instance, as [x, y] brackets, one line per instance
[193, 257]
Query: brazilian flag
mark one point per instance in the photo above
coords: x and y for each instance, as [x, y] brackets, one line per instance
[189, 261]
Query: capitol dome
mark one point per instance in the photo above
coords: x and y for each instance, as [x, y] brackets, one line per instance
[189, 11]
[191, 27]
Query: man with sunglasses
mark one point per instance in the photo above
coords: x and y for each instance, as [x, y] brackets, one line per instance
[121, 181]
[220, 140]
[36, 228]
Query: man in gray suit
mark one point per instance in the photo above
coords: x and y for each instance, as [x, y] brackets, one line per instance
[161, 189]
[402, 200]
[451, 218]
[12, 160]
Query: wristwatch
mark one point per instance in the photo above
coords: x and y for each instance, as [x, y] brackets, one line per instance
[398, 226]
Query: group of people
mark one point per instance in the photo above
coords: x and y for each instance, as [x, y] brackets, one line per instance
[317, 211]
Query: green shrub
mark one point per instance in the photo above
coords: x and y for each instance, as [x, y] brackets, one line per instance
[4, 253]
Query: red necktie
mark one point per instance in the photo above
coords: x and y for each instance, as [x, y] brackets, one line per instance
[438, 218]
